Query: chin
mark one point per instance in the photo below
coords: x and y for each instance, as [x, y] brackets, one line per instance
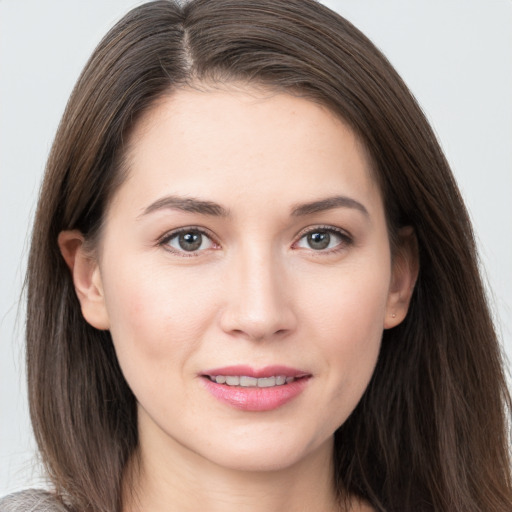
[266, 454]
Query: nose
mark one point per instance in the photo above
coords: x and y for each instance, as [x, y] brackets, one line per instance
[259, 297]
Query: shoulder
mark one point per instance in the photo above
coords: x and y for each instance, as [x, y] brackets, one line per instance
[31, 500]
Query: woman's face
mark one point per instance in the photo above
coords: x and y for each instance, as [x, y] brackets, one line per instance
[245, 275]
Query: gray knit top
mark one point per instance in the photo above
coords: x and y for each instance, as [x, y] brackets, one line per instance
[32, 500]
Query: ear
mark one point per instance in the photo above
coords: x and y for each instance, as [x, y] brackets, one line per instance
[86, 276]
[404, 274]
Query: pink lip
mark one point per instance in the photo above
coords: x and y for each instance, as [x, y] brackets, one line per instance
[256, 399]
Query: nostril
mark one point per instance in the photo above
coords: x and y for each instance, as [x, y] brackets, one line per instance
[257, 314]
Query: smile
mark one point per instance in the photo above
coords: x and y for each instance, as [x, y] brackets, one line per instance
[251, 382]
[257, 390]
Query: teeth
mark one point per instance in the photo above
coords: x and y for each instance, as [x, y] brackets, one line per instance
[266, 382]
[232, 380]
[252, 382]
[248, 382]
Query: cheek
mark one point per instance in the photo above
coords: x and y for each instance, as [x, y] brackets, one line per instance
[347, 317]
[352, 340]
[156, 316]
[351, 303]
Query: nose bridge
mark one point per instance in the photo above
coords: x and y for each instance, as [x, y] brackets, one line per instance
[258, 305]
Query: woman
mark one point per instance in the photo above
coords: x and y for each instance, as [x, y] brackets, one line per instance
[252, 281]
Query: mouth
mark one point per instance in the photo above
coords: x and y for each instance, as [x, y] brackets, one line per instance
[245, 381]
[247, 377]
[265, 389]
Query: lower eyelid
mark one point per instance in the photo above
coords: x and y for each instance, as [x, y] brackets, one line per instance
[345, 239]
[166, 239]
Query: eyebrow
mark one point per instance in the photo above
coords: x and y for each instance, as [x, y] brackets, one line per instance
[186, 204]
[328, 203]
[193, 205]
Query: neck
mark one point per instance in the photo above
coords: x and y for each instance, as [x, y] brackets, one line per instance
[191, 483]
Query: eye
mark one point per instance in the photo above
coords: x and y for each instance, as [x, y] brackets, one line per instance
[323, 239]
[188, 241]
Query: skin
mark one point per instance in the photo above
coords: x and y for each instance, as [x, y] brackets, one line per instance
[255, 293]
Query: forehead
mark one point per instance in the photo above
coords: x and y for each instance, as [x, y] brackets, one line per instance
[240, 142]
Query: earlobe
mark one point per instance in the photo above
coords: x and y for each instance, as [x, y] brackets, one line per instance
[404, 274]
[86, 276]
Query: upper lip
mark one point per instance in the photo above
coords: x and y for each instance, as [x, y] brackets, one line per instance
[248, 371]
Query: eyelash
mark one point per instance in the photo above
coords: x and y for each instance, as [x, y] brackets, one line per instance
[165, 239]
[346, 239]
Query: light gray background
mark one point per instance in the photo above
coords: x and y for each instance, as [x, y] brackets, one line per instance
[456, 56]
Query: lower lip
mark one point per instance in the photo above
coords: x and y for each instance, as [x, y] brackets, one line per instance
[256, 399]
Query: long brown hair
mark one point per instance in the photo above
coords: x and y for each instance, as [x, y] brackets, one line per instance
[430, 433]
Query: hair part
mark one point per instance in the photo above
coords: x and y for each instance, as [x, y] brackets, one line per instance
[430, 433]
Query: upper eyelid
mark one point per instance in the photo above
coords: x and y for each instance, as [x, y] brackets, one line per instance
[322, 227]
[206, 232]
[174, 232]
[163, 241]
[346, 239]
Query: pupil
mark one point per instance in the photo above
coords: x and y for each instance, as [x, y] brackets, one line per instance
[190, 241]
[319, 240]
